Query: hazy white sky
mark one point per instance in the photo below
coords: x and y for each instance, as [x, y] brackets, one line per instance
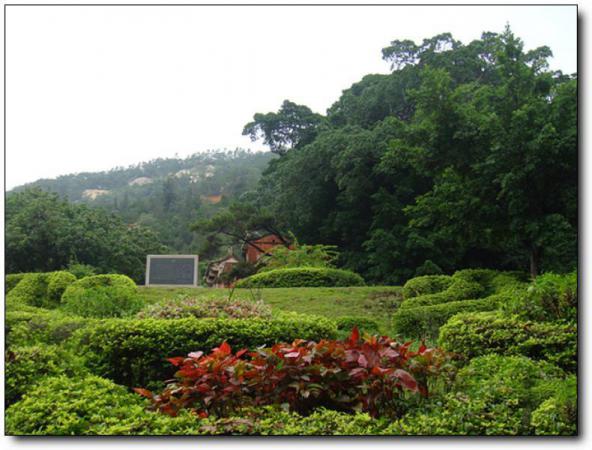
[90, 88]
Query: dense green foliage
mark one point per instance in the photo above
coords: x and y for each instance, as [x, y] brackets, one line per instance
[426, 284]
[558, 415]
[297, 255]
[133, 352]
[57, 282]
[54, 408]
[30, 325]
[550, 297]
[464, 156]
[365, 325]
[477, 334]
[301, 277]
[11, 280]
[46, 233]
[102, 296]
[431, 300]
[27, 366]
[494, 395]
[31, 290]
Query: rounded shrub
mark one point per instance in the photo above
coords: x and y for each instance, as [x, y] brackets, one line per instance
[31, 290]
[302, 277]
[57, 282]
[458, 290]
[102, 296]
[27, 366]
[426, 284]
[64, 406]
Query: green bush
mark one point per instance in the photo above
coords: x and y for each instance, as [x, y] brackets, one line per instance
[31, 290]
[302, 277]
[57, 282]
[558, 415]
[89, 405]
[427, 284]
[476, 334]
[102, 296]
[425, 321]
[11, 280]
[493, 395]
[550, 297]
[492, 281]
[458, 290]
[94, 406]
[221, 308]
[27, 366]
[29, 325]
[364, 325]
[134, 352]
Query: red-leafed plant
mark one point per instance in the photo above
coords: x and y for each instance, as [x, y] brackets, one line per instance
[373, 374]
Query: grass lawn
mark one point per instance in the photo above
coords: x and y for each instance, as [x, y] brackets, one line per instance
[375, 302]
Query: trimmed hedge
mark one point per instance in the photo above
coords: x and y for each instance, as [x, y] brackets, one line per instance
[550, 297]
[427, 284]
[91, 405]
[134, 352]
[458, 290]
[31, 290]
[493, 395]
[57, 282]
[425, 321]
[102, 296]
[29, 325]
[302, 277]
[11, 280]
[94, 406]
[477, 334]
[27, 366]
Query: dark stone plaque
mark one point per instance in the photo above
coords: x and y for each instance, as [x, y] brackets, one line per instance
[171, 270]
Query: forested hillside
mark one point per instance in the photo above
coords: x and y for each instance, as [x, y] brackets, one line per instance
[463, 156]
[165, 195]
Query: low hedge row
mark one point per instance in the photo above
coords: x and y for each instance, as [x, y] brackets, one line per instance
[94, 406]
[302, 277]
[425, 321]
[476, 334]
[28, 325]
[134, 352]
